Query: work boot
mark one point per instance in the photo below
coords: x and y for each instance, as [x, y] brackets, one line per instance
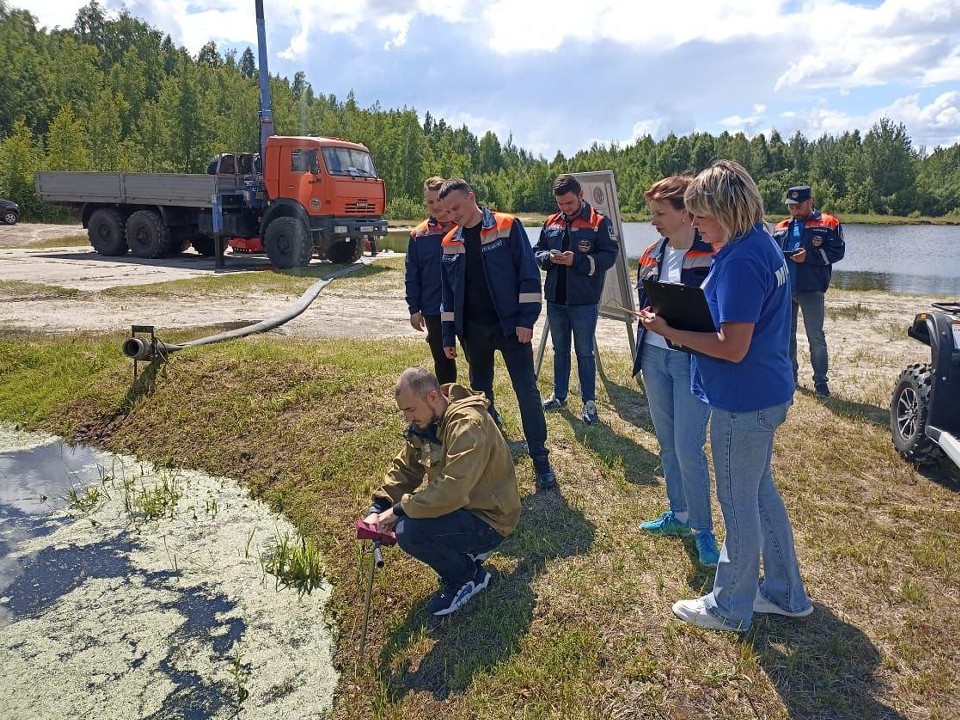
[822, 390]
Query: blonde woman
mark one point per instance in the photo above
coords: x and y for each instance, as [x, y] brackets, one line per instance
[745, 374]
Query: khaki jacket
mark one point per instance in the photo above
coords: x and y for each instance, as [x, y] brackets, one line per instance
[471, 468]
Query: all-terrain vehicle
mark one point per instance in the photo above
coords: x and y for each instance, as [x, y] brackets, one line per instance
[925, 407]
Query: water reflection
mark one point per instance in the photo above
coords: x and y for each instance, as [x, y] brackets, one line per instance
[33, 483]
[901, 284]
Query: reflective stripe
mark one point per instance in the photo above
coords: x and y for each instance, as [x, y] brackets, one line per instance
[529, 297]
[453, 249]
[447, 317]
[697, 261]
[593, 265]
[493, 236]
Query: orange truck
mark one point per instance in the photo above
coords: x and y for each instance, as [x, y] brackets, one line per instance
[300, 195]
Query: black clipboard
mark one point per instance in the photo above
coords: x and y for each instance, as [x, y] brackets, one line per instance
[684, 307]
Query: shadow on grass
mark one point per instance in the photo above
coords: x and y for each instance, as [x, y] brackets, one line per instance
[629, 401]
[822, 667]
[943, 471]
[851, 410]
[639, 464]
[699, 577]
[491, 627]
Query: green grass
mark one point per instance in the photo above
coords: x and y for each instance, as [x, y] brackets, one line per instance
[855, 311]
[33, 291]
[295, 563]
[281, 282]
[577, 622]
[74, 240]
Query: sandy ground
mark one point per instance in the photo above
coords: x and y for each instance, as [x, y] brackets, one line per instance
[865, 330]
[107, 614]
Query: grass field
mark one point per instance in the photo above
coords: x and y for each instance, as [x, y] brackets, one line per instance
[577, 621]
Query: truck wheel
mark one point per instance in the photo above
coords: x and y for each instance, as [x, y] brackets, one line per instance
[147, 236]
[344, 251]
[204, 244]
[909, 410]
[288, 244]
[178, 240]
[106, 232]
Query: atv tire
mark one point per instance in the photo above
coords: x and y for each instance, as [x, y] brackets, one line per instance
[345, 251]
[106, 232]
[288, 244]
[909, 411]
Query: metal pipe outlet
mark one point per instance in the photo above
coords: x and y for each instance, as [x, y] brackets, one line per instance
[137, 348]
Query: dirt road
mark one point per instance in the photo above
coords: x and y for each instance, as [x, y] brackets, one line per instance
[863, 328]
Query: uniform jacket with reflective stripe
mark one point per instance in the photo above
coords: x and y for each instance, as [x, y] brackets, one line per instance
[822, 236]
[594, 252]
[422, 265]
[511, 271]
[696, 266]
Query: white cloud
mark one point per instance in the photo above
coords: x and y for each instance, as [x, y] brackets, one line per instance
[848, 45]
[537, 25]
[937, 123]
[747, 123]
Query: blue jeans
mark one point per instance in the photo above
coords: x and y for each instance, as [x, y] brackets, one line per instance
[479, 343]
[680, 421]
[443, 542]
[582, 321]
[755, 518]
[811, 303]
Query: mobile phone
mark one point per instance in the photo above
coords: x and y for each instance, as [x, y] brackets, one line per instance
[794, 251]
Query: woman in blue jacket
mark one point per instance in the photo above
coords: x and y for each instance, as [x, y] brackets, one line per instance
[679, 417]
[743, 371]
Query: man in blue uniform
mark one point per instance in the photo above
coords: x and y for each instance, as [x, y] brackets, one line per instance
[491, 301]
[422, 280]
[576, 250]
[812, 242]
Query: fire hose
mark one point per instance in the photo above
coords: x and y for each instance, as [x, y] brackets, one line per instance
[137, 348]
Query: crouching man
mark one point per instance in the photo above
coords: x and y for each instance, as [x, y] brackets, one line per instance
[451, 494]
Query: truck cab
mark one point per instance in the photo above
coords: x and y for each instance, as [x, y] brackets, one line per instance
[331, 185]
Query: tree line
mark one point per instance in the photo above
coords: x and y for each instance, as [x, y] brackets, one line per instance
[114, 94]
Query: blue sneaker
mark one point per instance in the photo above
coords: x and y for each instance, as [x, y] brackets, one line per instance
[707, 548]
[453, 597]
[666, 524]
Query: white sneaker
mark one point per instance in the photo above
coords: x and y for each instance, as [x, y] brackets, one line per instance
[696, 613]
[762, 605]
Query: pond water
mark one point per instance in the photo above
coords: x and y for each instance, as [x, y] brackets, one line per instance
[906, 259]
[124, 614]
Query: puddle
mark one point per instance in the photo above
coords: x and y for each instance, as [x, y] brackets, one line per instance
[105, 613]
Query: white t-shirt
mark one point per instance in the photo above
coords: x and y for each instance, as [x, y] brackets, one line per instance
[671, 268]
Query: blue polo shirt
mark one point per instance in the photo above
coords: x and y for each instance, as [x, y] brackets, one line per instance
[749, 282]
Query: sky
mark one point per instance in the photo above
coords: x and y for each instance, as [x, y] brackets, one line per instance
[561, 75]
